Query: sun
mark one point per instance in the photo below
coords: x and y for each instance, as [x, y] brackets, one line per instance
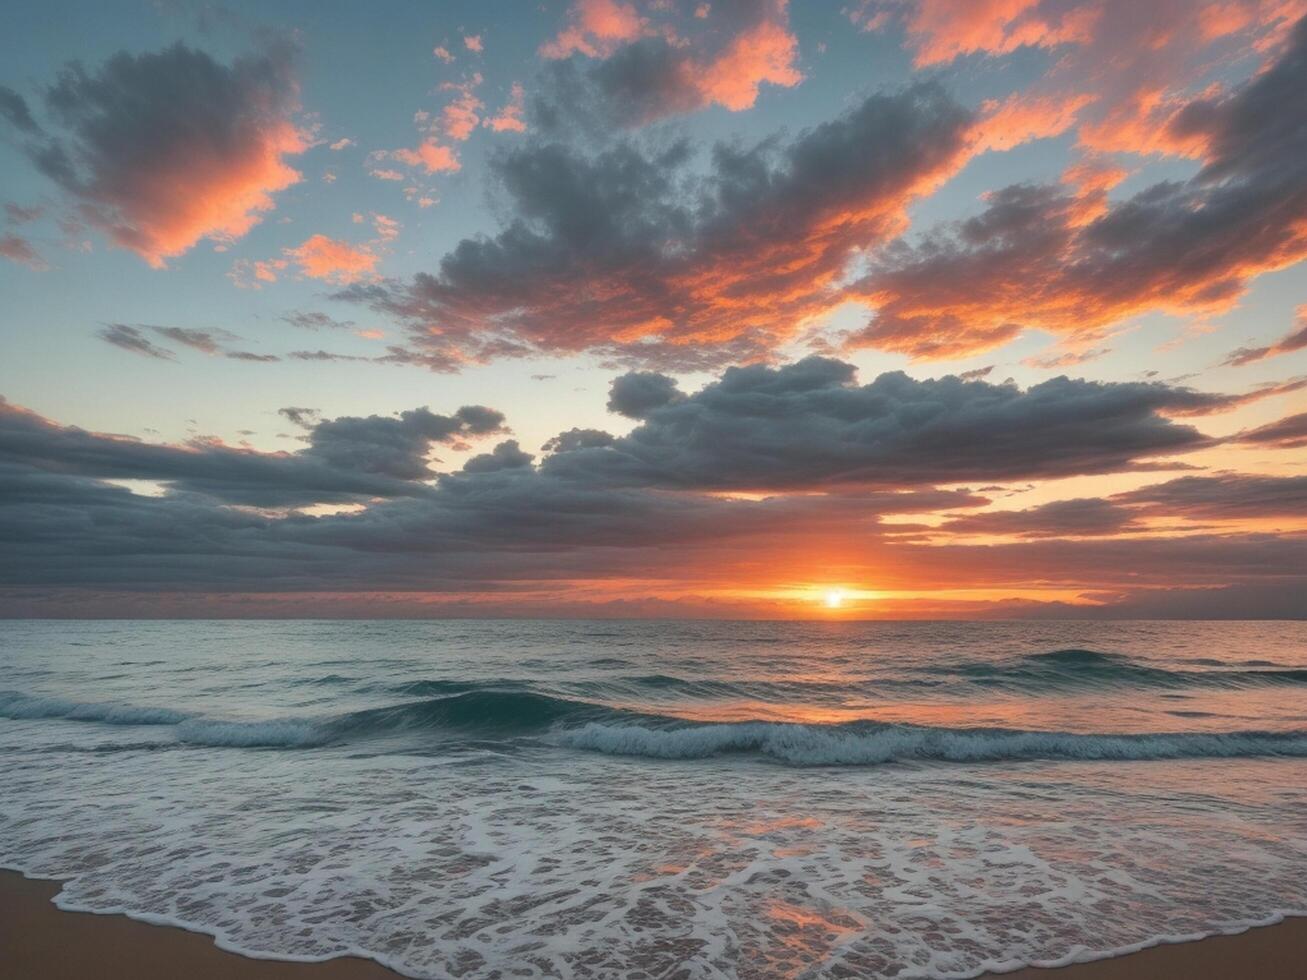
[834, 598]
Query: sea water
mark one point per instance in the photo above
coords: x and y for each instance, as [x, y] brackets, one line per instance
[663, 799]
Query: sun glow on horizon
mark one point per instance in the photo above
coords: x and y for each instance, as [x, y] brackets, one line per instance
[834, 598]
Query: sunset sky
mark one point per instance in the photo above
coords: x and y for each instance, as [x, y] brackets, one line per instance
[892, 308]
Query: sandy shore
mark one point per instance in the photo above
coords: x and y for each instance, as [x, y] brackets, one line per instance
[39, 942]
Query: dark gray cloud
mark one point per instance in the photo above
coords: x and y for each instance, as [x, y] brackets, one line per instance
[1061, 518]
[1227, 496]
[212, 342]
[245, 355]
[132, 339]
[322, 355]
[637, 393]
[346, 459]
[396, 446]
[649, 254]
[810, 425]
[305, 418]
[14, 109]
[1286, 433]
[1195, 499]
[313, 320]
[646, 505]
[1293, 341]
[1047, 257]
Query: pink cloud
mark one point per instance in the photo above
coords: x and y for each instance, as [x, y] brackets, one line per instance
[252, 274]
[596, 28]
[764, 53]
[473, 43]
[460, 118]
[442, 52]
[509, 118]
[320, 257]
[430, 155]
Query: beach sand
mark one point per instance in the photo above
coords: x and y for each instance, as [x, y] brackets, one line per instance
[40, 942]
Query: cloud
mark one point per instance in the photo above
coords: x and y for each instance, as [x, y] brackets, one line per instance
[314, 320]
[509, 118]
[346, 458]
[596, 28]
[130, 338]
[460, 116]
[212, 342]
[163, 149]
[1031, 261]
[810, 425]
[633, 251]
[19, 250]
[430, 154]
[14, 109]
[1295, 340]
[651, 507]
[305, 418]
[1135, 63]
[674, 61]
[201, 340]
[473, 43]
[253, 273]
[1286, 433]
[939, 31]
[1082, 517]
[1225, 497]
[18, 215]
[320, 257]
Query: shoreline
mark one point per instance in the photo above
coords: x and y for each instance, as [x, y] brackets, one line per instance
[38, 939]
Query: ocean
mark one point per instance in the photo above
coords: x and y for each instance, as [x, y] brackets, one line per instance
[663, 799]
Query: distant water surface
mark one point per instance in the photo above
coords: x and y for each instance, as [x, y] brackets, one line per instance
[656, 799]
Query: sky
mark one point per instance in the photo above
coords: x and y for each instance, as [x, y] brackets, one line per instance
[593, 308]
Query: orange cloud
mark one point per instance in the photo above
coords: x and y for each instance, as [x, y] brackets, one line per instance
[596, 29]
[765, 53]
[1140, 61]
[335, 261]
[713, 56]
[1019, 119]
[941, 30]
[1069, 262]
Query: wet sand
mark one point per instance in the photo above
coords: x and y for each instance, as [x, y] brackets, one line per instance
[40, 942]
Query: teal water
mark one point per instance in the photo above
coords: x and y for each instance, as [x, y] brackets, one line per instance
[614, 799]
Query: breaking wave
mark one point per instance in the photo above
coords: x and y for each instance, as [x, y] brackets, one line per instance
[591, 727]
